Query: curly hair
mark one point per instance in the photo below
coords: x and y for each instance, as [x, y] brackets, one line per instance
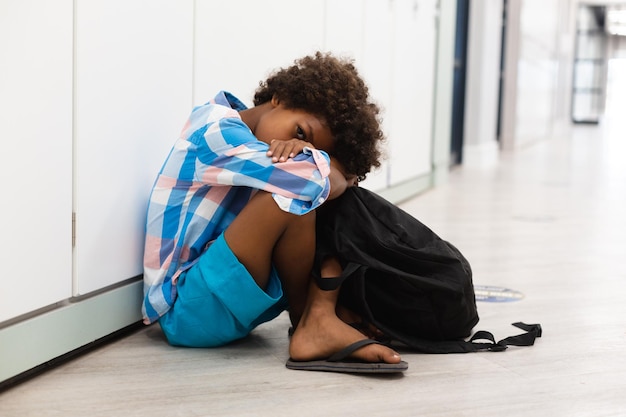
[332, 89]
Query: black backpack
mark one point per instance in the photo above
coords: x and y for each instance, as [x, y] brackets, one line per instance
[401, 277]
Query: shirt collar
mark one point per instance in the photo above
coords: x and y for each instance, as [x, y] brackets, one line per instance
[227, 99]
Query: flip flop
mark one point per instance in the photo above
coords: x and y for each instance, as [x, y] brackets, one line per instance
[340, 362]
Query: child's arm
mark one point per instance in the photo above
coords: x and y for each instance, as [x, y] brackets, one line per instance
[281, 150]
[227, 153]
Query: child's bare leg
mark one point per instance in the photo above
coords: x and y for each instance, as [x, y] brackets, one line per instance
[263, 234]
[321, 333]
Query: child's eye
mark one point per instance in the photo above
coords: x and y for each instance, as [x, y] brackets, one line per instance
[300, 134]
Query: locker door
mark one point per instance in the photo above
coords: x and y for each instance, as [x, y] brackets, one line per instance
[286, 30]
[36, 156]
[376, 69]
[133, 94]
[413, 83]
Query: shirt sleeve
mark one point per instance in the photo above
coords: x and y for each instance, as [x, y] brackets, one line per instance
[229, 154]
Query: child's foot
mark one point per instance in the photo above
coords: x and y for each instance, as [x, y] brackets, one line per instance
[321, 335]
[364, 326]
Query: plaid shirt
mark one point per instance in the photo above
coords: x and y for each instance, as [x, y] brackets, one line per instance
[211, 173]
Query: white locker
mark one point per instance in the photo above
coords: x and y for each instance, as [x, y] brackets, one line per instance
[238, 42]
[358, 29]
[376, 68]
[344, 28]
[414, 44]
[36, 156]
[133, 94]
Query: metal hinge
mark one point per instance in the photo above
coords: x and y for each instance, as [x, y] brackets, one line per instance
[73, 229]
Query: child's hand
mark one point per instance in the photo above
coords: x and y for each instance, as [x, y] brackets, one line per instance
[281, 150]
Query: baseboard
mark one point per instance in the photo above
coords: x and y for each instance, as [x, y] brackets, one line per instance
[30, 343]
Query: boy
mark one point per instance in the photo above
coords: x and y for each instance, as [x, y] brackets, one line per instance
[231, 219]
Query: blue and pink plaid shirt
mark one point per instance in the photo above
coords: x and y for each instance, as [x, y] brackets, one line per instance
[213, 170]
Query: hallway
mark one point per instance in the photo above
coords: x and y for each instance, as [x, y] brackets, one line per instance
[548, 221]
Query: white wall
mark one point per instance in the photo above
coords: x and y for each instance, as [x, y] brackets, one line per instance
[238, 42]
[481, 94]
[132, 94]
[537, 74]
[36, 156]
[442, 120]
[537, 70]
[412, 98]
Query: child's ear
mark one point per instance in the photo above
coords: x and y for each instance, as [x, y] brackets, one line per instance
[275, 101]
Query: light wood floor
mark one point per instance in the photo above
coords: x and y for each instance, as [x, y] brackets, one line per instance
[548, 221]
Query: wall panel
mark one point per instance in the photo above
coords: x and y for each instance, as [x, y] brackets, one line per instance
[413, 46]
[376, 66]
[133, 94]
[238, 43]
[36, 156]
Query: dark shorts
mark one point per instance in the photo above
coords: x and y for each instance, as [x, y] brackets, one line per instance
[218, 301]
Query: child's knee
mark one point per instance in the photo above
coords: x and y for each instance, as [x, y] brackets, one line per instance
[265, 205]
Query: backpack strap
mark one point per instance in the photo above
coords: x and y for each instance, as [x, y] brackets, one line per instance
[332, 283]
[533, 331]
[481, 341]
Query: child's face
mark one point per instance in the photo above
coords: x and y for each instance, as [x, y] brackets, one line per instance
[281, 123]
